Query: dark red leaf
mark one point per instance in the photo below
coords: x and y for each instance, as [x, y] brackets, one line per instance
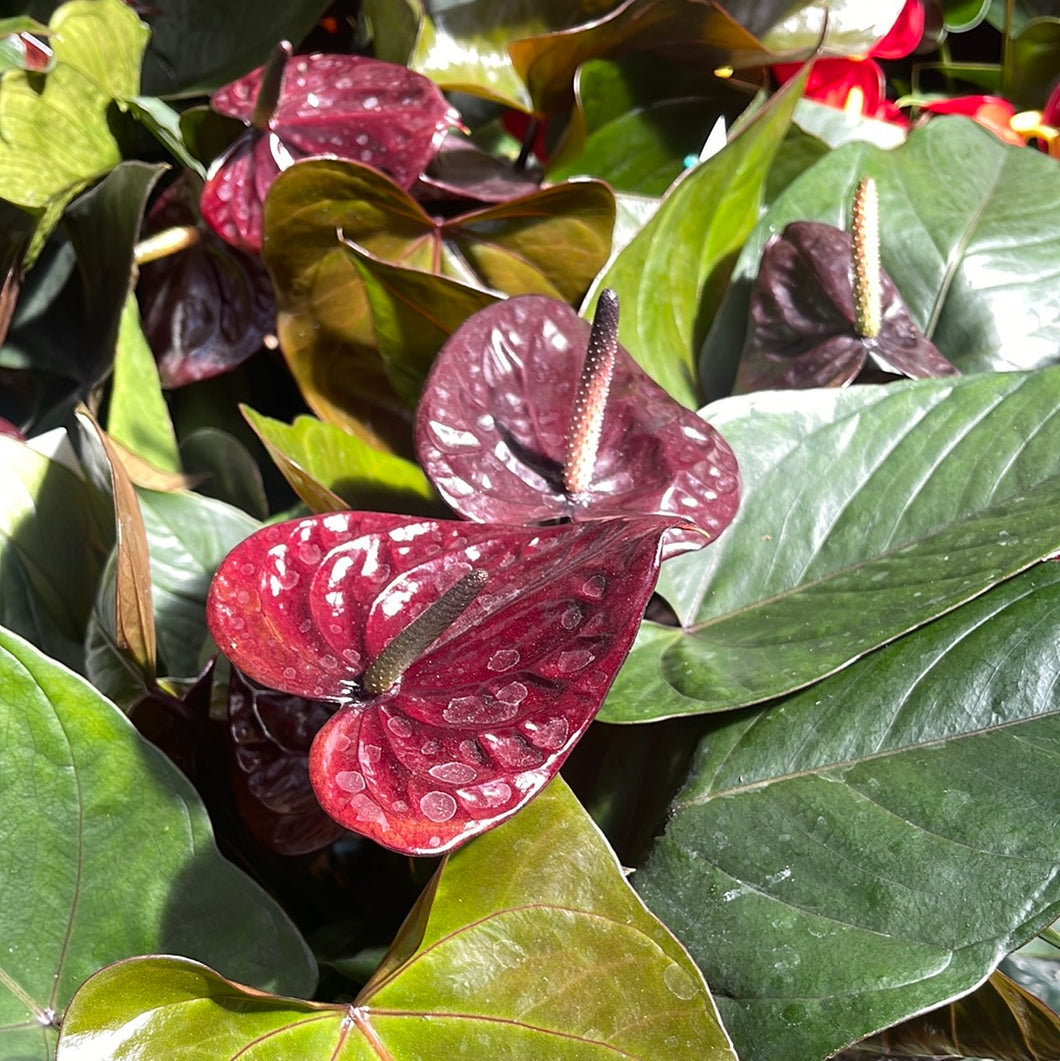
[463, 171]
[270, 734]
[339, 106]
[492, 426]
[207, 308]
[802, 330]
[481, 721]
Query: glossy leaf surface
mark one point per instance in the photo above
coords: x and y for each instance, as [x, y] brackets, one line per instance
[345, 106]
[55, 533]
[196, 45]
[553, 957]
[325, 319]
[331, 470]
[484, 717]
[882, 829]
[103, 826]
[926, 494]
[56, 136]
[687, 247]
[802, 326]
[493, 423]
[971, 257]
[1000, 1020]
[704, 36]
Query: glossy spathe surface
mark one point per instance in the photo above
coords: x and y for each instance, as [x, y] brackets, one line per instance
[492, 426]
[340, 106]
[486, 715]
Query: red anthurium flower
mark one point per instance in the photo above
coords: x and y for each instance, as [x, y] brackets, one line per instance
[991, 112]
[340, 106]
[466, 659]
[857, 83]
[511, 392]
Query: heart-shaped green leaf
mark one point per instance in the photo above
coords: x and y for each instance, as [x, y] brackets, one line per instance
[56, 138]
[972, 258]
[331, 470]
[686, 249]
[55, 532]
[924, 494]
[873, 846]
[553, 957]
[107, 853]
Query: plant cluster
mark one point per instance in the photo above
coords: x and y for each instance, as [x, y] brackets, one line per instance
[401, 402]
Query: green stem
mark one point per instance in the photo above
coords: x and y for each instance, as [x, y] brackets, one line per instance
[271, 84]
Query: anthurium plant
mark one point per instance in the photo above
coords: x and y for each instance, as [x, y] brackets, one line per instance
[529, 530]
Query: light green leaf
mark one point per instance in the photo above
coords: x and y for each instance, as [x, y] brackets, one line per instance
[137, 416]
[668, 274]
[553, 957]
[56, 139]
[107, 853]
[331, 470]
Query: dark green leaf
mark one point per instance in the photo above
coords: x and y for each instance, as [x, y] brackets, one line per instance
[54, 539]
[865, 513]
[873, 846]
[198, 45]
[1000, 1020]
[107, 853]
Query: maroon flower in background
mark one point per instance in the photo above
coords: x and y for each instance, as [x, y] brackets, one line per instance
[337, 106]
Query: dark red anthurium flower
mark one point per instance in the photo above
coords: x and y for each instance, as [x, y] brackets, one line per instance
[802, 329]
[337, 106]
[857, 83]
[269, 737]
[207, 308]
[465, 659]
[503, 404]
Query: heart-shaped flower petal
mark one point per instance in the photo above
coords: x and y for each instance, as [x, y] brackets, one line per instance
[339, 106]
[802, 329]
[497, 411]
[481, 719]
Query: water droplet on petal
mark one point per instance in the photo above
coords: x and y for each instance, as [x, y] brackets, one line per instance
[487, 796]
[453, 772]
[551, 735]
[503, 659]
[680, 982]
[478, 711]
[400, 727]
[512, 693]
[350, 781]
[574, 659]
[438, 806]
[594, 587]
[571, 617]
